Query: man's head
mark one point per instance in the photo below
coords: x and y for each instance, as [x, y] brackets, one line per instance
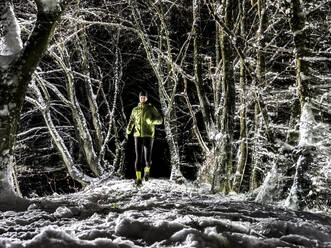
[143, 96]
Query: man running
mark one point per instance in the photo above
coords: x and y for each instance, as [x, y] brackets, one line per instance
[143, 118]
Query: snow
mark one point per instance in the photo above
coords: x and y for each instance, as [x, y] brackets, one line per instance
[159, 214]
[307, 122]
[7, 195]
[5, 152]
[4, 111]
[50, 5]
[268, 187]
[52, 237]
[292, 199]
[10, 42]
[316, 58]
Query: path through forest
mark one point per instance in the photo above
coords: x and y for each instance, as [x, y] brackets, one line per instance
[159, 214]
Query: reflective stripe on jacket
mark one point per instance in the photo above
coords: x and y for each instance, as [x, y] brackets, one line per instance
[143, 118]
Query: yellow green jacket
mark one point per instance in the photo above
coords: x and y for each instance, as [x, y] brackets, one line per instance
[143, 118]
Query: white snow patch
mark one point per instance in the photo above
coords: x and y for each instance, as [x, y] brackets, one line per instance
[159, 214]
[316, 58]
[292, 200]
[5, 152]
[55, 237]
[4, 111]
[50, 5]
[307, 122]
[266, 190]
[10, 43]
[63, 212]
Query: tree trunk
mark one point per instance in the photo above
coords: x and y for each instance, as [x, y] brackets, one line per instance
[297, 23]
[293, 131]
[12, 47]
[90, 94]
[218, 83]
[255, 175]
[84, 136]
[197, 64]
[260, 116]
[261, 41]
[243, 149]
[15, 78]
[111, 111]
[228, 89]
[300, 187]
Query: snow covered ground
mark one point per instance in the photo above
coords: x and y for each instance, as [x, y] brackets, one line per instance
[159, 214]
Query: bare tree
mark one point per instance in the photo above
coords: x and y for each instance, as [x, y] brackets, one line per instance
[243, 149]
[43, 104]
[200, 85]
[15, 77]
[228, 90]
[299, 192]
[255, 177]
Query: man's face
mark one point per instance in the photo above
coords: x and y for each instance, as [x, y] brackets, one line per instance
[143, 99]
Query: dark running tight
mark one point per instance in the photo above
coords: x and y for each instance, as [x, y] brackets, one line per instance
[143, 146]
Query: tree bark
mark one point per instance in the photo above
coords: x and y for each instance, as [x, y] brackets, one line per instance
[300, 187]
[228, 89]
[111, 111]
[255, 177]
[197, 64]
[90, 94]
[243, 149]
[261, 41]
[297, 23]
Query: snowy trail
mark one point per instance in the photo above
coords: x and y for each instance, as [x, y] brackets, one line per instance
[160, 214]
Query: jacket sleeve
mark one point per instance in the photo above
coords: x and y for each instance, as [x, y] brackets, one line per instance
[157, 118]
[130, 124]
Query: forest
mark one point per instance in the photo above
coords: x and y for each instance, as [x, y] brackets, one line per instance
[244, 89]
